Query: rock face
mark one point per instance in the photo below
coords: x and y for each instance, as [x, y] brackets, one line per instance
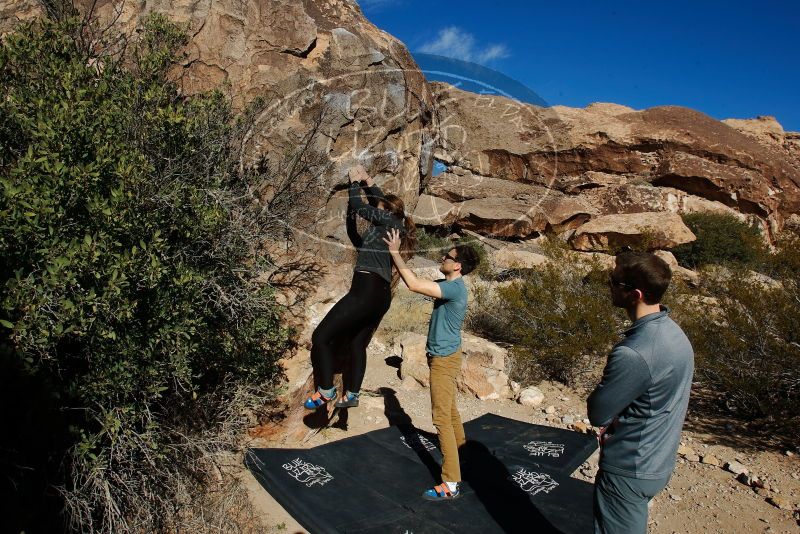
[15, 11]
[507, 259]
[608, 159]
[661, 230]
[483, 372]
[434, 211]
[317, 76]
[504, 208]
[325, 77]
[482, 369]
[410, 347]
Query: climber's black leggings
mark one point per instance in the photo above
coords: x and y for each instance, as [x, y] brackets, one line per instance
[351, 323]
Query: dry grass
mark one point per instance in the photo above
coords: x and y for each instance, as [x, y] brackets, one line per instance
[409, 312]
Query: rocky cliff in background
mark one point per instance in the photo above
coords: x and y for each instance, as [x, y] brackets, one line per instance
[518, 170]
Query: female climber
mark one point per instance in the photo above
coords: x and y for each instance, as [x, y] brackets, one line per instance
[355, 317]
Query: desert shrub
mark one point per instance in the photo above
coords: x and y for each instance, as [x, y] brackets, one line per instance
[721, 239]
[409, 312]
[555, 248]
[487, 314]
[784, 262]
[133, 333]
[560, 319]
[747, 345]
[430, 245]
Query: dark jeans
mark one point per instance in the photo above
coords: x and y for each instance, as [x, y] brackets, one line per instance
[352, 320]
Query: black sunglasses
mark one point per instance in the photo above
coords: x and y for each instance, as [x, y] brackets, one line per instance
[617, 283]
[449, 257]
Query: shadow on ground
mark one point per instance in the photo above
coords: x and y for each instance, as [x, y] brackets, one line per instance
[708, 416]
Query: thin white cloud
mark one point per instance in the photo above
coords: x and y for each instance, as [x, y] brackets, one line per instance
[375, 5]
[459, 44]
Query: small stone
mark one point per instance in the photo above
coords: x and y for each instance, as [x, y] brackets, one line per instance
[567, 419]
[735, 467]
[683, 450]
[515, 387]
[779, 503]
[710, 459]
[550, 409]
[692, 458]
[580, 426]
[789, 454]
[531, 396]
[564, 399]
[748, 480]
[674, 497]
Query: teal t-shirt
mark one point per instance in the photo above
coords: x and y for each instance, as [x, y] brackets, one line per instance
[444, 331]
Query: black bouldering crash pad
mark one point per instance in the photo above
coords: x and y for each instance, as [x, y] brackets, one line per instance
[515, 479]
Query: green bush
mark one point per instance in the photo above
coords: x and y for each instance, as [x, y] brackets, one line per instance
[128, 294]
[747, 344]
[721, 239]
[560, 320]
[431, 245]
[784, 263]
[487, 315]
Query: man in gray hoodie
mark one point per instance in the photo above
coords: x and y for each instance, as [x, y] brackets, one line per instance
[640, 403]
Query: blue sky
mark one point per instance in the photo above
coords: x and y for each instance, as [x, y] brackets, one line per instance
[732, 59]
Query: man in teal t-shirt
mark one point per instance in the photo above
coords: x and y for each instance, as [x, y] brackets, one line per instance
[444, 331]
[444, 352]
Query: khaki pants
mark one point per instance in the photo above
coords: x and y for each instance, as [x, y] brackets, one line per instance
[444, 373]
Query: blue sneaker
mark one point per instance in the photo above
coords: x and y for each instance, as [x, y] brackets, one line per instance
[317, 399]
[442, 493]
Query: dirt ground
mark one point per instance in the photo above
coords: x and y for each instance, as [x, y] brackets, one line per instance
[699, 499]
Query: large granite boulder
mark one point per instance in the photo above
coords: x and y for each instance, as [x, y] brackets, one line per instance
[483, 372]
[502, 208]
[483, 369]
[434, 211]
[609, 232]
[509, 259]
[13, 12]
[611, 156]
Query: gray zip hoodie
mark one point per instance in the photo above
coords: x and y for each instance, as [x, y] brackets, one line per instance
[643, 397]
